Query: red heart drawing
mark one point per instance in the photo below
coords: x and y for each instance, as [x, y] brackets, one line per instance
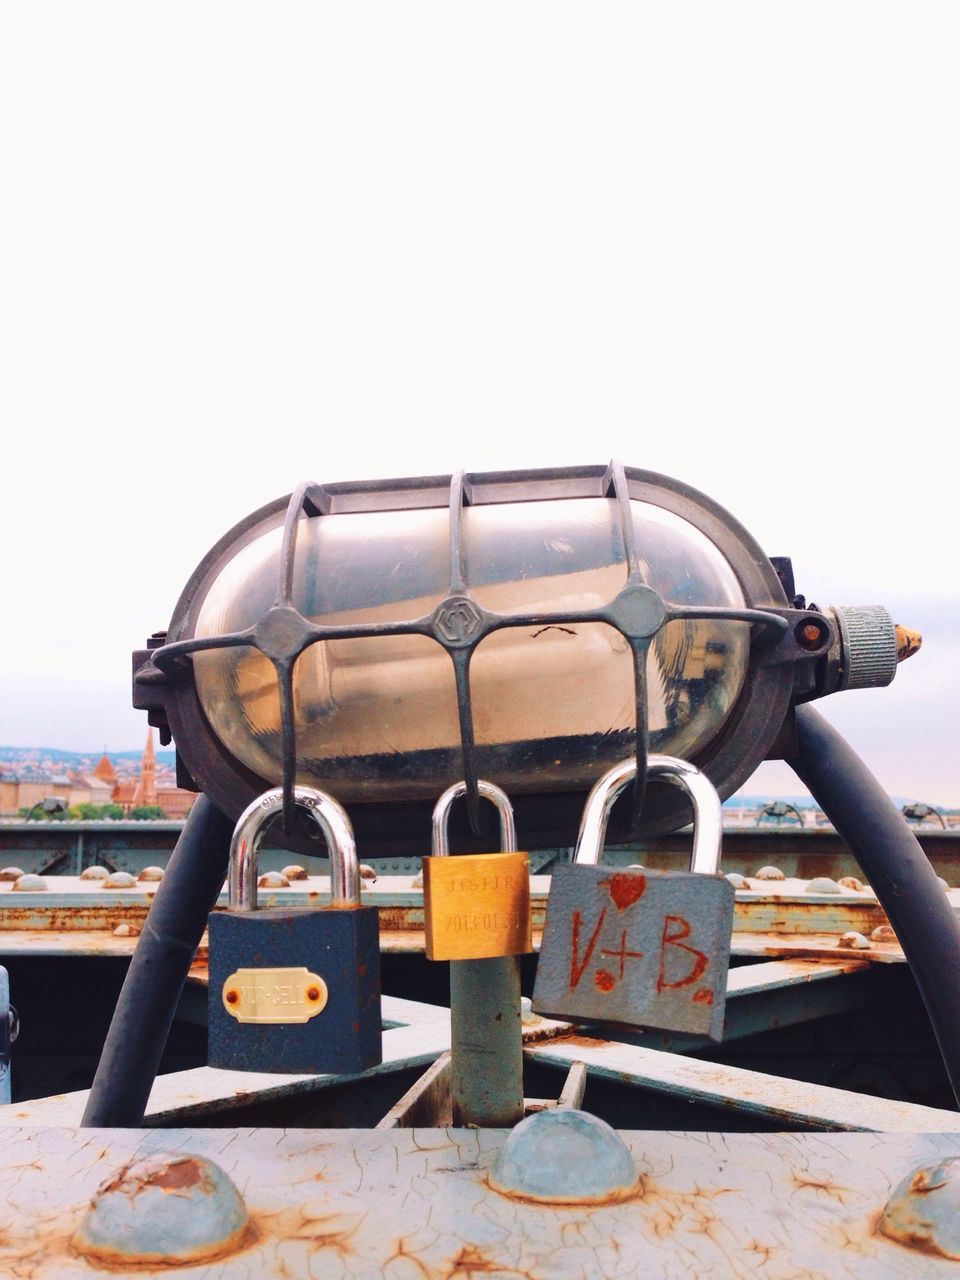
[626, 889]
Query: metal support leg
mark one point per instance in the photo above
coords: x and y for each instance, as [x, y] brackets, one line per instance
[5, 1027]
[899, 871]
[486, 1042]
[158, 970]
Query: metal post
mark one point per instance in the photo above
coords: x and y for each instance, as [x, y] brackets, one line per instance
[158, 970]
[486, 1032]
[486, 1042]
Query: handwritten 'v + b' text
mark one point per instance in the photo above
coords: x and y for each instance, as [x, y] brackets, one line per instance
[679, 965]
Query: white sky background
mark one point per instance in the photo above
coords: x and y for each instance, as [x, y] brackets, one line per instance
[245, 245]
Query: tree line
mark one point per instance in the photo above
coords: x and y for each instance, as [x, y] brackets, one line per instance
[87, 812]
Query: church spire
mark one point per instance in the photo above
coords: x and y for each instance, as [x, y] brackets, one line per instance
[146, 793]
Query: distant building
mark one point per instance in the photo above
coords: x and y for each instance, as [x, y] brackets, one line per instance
[87, 788]
[145, 793]
[22, 788]
[27, 788]
[9, 790]
[105, 771]
[175, 801]
[151, 791]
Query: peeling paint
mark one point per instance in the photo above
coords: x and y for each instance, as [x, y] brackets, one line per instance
[414, 1205]
[167, 1209]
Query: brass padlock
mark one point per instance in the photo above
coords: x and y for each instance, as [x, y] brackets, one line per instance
[476, 905]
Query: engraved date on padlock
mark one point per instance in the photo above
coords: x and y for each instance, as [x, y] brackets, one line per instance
[274, 995]
[477, 906]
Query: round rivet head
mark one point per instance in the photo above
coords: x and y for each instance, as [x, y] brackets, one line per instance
[854, 940]
[295, 872]
[30, 884]
[168, 1209]
[924, 1210]
[769, 873]
[883, 933]
[119, 880]
[851, 882]
[94, 873]
[151, 873]
[273, 880]
[737, 880]
[527, 1016]
[822, 884]
[11, 873]
[562, 1156]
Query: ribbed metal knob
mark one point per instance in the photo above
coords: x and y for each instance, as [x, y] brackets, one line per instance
[868, 639]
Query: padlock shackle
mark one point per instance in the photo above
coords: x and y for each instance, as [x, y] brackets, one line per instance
[329, 815]
[707, 810]
[440, 843]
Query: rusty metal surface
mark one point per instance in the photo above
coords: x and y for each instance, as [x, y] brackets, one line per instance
[791, 1102]
[785, 907]
[79, 917]
[407, 1204]
[924, 1210]
[776, 974]
[813, 946]
[67, 847]
[165, 1209]
[72, 942]
[70, 903]
[789, 906]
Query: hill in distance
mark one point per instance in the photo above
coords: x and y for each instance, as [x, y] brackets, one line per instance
[72, 759]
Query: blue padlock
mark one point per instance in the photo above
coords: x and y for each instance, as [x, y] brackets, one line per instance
[295, 989]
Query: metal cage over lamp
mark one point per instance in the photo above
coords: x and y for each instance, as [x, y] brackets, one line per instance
[386, 639]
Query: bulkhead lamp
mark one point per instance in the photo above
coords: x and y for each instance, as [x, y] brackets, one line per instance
[384, 640]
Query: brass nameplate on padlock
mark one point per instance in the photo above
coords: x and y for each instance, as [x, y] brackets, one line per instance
[274, 995]
[477, 906]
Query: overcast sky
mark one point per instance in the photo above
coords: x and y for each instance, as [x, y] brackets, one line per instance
[246, 245]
